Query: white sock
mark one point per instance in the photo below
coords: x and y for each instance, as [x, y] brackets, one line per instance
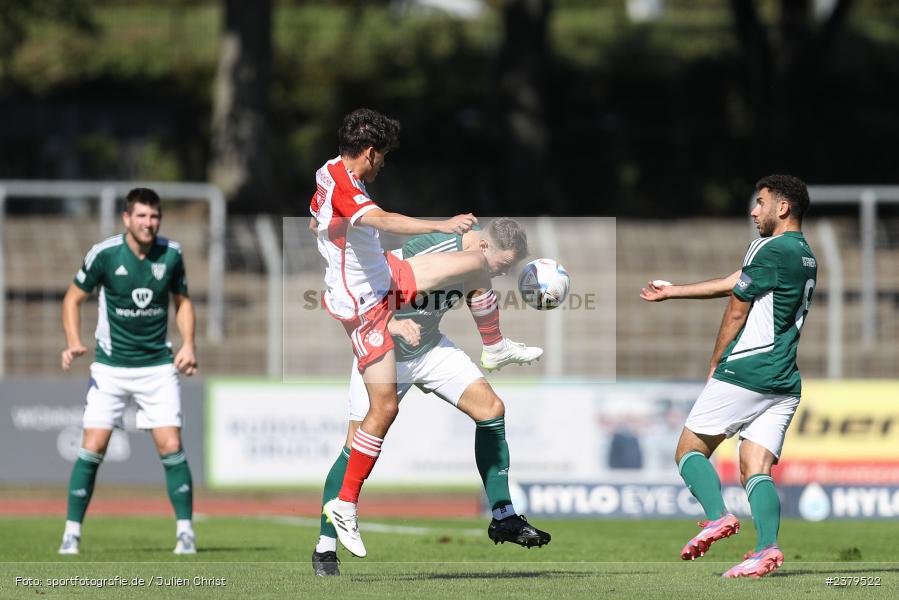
[503, 512]
[72, 528]
[326, 544]
[184, 525]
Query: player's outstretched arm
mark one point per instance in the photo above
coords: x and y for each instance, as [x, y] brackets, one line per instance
[403, 225]
[659, 290]
[71, 324]
[734, 318]
[186, 359]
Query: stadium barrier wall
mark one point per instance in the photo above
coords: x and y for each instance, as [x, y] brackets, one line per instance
[41, 431]
[579, 449]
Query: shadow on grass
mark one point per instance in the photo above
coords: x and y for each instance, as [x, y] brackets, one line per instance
[488, 575]
[831, 572]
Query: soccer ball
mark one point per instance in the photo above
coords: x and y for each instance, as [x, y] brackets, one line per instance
[543, 284]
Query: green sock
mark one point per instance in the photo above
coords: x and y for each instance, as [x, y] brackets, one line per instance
[491, 453]
[765, 505]
[702, 480]
[179, 485]
[332, 487]
[81, 483]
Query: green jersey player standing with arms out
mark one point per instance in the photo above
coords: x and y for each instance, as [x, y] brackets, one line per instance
[754, 386]
[135, 272]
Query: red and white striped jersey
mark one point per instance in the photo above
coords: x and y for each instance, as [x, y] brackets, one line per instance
[357, 276]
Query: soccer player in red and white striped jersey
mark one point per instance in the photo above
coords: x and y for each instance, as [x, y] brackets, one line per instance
[365, 285]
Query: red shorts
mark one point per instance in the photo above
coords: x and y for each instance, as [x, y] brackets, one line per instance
[368, 331]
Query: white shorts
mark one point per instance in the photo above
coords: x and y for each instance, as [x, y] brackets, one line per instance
[155, 390]
[725, 408]
[445, 370]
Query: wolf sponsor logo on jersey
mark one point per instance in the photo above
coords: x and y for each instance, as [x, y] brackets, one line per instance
[142, 296]
[158, 270]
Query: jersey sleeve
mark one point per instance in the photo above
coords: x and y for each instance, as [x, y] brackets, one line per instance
[179, 278]
[351, 204]
[91, 272]
[759, 274]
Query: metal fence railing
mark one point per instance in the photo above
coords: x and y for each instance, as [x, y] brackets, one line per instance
[272, 274]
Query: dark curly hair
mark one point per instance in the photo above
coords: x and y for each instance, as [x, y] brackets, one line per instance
[789, 188]
[365, 128]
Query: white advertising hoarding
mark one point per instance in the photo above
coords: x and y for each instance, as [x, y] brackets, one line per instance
[269, 433]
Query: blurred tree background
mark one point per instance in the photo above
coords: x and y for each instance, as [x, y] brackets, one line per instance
[520, 107]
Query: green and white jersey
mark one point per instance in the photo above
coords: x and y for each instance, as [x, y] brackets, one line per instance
[432, 307]
[778, 277]
[133, 299]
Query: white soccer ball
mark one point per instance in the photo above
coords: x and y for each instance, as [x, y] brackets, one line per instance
[543, 284]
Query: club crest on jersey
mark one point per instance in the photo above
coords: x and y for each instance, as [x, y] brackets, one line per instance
[158, 270]
[142, 296]
[374, 338]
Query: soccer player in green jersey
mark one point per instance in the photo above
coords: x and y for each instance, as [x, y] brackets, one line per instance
[136, 272]
[753, 386]
[428, 359]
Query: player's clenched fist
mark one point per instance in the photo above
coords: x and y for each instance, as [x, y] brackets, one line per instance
[70, 354]
[186, 361]
[459, 223]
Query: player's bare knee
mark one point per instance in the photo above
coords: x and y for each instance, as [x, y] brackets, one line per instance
[169, 447]
[496, 408]
[384, 411]
[95, 447]
[96, 441]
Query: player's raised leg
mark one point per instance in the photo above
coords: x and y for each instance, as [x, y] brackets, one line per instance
[498, 351]
[480, 402]
[439, 270]
[81, 485]
[702, 480]
[179, 484]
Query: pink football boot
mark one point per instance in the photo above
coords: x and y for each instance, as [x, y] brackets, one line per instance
[712, 531]
[757, 564]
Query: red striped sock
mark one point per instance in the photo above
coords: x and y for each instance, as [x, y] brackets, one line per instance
[485, 311]
[363, 456]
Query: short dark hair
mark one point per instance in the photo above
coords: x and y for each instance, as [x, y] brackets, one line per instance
[142, 196]
[364, 128]
[508, 234]
[789, 188]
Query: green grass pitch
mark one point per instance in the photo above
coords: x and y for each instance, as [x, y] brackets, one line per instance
[269, 558]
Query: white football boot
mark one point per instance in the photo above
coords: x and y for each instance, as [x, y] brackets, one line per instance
[508, 352]
[345, 520]
[186, 543]
[70, 543]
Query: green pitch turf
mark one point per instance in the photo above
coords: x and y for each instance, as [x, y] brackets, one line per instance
[269, 558]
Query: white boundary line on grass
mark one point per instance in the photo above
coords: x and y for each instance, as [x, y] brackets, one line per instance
[377, 527]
